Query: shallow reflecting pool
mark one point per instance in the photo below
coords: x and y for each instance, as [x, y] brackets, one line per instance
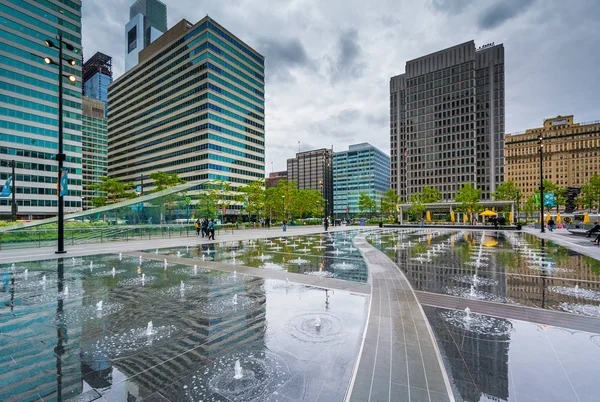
[495, 359]
[505, 267]
[325, 254]
[128, 330]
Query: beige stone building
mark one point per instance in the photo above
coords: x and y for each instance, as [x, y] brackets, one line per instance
[571, 154]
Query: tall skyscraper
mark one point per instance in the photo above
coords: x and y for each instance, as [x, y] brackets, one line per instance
[363, 168]
[570, 158]
[94, 135]
[97, 76]
[193, 106]
[147, 22]
[314, 170]
[29, 104]
[447, 121]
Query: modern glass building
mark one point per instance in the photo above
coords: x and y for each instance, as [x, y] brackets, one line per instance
[97, 76]
[314, 170]
[147, 22]
[363, 168]
[29, 104]
[447, 121]
[193, 106]
[95, 147]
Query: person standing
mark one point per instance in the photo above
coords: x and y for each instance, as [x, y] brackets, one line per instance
[205, 226]
[197, 226]
[284, 225]
[551, 224]
[211, 229]
[421, 222]
[326, 224]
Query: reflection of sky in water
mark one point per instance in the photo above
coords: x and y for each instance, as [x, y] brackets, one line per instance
[530, 363]
[509, 266]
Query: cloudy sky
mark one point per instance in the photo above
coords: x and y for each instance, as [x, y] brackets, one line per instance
[328, 62]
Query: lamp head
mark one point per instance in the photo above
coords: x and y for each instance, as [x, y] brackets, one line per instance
[47, 60]
[72, 78]
[49, 43]
[71, 62]
[69, 46]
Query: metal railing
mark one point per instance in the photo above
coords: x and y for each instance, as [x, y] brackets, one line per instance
[30, 238]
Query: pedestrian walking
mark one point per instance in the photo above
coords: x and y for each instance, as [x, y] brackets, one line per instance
[197, 226]
[326, 224]
[421, 222]
[551, 224]
[204, 225]
[211, 229]
[284, 225]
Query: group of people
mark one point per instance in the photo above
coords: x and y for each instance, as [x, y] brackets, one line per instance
[593, 231]
[206, 226]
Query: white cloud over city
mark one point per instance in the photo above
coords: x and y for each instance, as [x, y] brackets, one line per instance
[328, 63]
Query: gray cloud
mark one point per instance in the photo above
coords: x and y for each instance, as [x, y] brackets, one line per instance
[282, 56]
[347, 62]
[499, 13]
[451, 7]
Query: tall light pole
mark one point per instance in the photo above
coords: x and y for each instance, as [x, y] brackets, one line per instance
[541, 150]
[60, 156]
[14, 207]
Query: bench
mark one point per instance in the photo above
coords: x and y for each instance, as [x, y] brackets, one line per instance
[578, 232]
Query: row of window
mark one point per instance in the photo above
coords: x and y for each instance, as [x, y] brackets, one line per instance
[43, 203]
[39, 83]
[37, 94]
[39, 107]
[41, 23]
[16, 139]
[29, 178]
[115, 132]
[24, 128]
[26, 153]
[41, 119]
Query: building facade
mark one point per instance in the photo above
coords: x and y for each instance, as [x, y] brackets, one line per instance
[29, 104]
[571, 154]
[314, 170]
[94, 134]
[275, 177]
[193, 106]
[97, 76]
[447, 121]
[363, 168]
[147, 22]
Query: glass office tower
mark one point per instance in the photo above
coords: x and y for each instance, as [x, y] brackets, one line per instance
[193, 106]
[29, 104]
[363, 168]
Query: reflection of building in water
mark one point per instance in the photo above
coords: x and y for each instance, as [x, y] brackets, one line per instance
[43, 360]
[480, 368]
[200, 334]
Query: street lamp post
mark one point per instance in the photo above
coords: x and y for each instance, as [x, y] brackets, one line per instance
[541, 150]
[60, 156]
[14, 207]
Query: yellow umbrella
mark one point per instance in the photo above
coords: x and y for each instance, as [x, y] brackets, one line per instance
[558, 217]
[428, 219]
[466, 218]
[510, 217]
[490, 242]
[487, 212]
[452, 216]
[586, 218]
[548, 217]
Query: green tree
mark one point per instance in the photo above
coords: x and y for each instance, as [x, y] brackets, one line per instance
[549, 187]
[469, 198]
[114, 190]
[288, 193]
[366, 203]
[273, 202]
[591, 192]
[389, 202]
[206, 206]
[530, 206]
[508, 191]
[164, 180]
[416, 205]
[254, 198]
[223, 195]
[307, 203]
[430, 194]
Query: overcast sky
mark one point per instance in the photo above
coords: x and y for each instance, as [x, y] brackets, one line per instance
[328, 62]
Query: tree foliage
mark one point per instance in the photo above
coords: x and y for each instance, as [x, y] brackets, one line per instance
[530, 206]
[469, 198]
[114, 190]
[430, 194]
[254, 198]
[389, 202]
[366, 203]
[591, 192]
[416, 205]
[164, 180]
